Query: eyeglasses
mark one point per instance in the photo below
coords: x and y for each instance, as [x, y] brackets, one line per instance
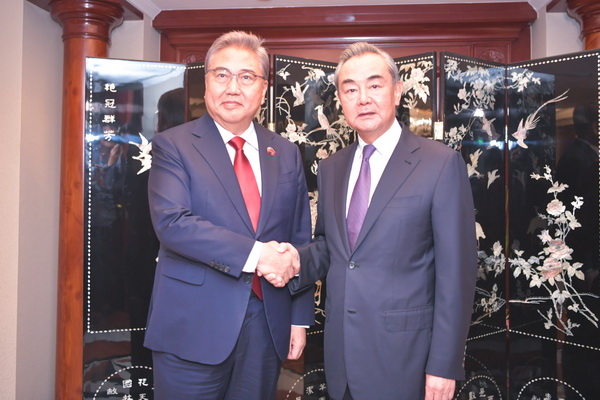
[223, 75]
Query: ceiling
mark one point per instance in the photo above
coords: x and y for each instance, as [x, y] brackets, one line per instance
[153, 7]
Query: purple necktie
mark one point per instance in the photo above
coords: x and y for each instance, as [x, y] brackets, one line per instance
[359, 203]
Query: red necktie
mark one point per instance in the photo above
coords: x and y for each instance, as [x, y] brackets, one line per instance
[250, 192]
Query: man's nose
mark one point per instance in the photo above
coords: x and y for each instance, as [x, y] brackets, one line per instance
[363, 97]
[233, 85]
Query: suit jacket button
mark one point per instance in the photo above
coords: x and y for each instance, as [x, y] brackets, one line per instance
[248, 278]
[352, 265]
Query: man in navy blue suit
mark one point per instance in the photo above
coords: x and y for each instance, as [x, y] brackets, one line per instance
[222, 190]
[401, 260]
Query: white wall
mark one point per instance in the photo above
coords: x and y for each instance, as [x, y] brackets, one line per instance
[135, 40]
[562, 35]
[39, 179]
[554, 34]
[11, 26]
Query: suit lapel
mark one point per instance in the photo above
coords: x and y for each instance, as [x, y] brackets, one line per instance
[402, 163]
[340, 190]
[269, 167]
[209, 144]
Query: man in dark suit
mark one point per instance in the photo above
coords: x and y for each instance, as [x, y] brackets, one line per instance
[395, 237]
[221, 190]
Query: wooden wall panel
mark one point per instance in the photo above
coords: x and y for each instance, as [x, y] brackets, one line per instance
[495, 31]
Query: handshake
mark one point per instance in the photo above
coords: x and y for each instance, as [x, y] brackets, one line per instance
[278, 263]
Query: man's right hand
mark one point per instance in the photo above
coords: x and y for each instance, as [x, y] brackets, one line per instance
[277, 264]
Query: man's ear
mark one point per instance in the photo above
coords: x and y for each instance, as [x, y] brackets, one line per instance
[266, 88]
[398, 92]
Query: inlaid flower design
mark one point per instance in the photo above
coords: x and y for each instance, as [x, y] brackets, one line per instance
[552, 270]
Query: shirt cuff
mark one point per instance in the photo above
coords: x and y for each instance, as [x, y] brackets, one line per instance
[253, 258]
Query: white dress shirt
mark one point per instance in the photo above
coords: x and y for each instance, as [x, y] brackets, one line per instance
[252, 154]
[251, 151]
[384, 147]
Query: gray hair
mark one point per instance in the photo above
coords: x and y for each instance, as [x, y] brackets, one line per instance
[360, 48]
[244, 40]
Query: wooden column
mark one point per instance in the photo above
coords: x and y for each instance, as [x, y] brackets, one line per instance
[86, 32]
[587, 12]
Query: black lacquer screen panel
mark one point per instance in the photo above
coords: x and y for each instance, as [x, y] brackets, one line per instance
[418, 106]
[553, 244]
[529, 136]
[473, 100]
[127, 103]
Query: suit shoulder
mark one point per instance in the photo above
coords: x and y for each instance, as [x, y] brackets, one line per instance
[277, 139]
[175, 133]
[435, 147]
[339, 154]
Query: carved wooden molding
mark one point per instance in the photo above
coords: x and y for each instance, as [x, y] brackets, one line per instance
[495, 29]
[587, 12]
[89, 19]
[130, 12]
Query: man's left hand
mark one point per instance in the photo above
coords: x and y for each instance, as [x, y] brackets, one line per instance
[438, 388]
[297, 342]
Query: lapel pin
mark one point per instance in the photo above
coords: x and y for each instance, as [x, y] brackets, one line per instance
[271, 151]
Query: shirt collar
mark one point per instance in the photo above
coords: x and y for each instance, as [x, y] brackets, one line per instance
[386, 143]
[249, 135]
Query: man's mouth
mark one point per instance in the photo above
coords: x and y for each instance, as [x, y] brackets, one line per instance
[366, 114]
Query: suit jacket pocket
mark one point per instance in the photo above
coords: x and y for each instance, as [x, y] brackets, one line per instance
[183, 270]
[408, 320]
[406, 201]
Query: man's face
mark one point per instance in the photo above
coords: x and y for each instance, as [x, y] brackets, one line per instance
[368, 95]
[232, 104]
